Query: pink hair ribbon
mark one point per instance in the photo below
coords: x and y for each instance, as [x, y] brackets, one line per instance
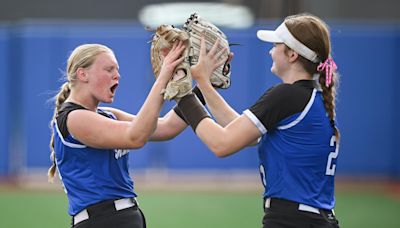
[330, 66]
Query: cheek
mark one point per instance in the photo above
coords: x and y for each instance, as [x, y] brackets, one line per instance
[100, 82]
[277, 55]
[272, 53]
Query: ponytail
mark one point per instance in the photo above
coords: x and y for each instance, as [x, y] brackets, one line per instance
[59, 100]
[82, 56]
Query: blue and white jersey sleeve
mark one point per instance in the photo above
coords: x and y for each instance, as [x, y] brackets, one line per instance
[278, 103]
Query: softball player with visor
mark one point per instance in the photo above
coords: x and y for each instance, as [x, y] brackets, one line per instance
[293, 123]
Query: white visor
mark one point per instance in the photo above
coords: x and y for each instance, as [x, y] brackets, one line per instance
[282, 35]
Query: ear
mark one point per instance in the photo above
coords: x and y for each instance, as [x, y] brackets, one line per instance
[82, 75]
[293, 56]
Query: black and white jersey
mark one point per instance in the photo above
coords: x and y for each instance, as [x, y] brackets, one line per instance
[298, 150]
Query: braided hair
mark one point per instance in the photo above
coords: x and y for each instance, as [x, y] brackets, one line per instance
[314, 33]
[82, 57]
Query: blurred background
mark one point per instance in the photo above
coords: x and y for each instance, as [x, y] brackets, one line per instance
[36, 38]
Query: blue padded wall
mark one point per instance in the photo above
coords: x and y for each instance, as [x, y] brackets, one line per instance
[367, 108]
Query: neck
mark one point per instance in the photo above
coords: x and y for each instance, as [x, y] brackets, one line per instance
[294, 75]
[85, 101]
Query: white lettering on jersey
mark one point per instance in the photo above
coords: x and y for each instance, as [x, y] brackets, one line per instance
[330, 167]
[120, 152]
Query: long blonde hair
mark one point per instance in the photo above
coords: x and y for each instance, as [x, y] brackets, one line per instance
[314, 33]
[82, 57]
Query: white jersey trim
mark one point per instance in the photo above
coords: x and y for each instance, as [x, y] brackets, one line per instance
[253, 118]
[303, 113]
[73, 145]
[109, 113]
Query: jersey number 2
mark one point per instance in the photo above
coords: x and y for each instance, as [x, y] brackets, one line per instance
[330, 168]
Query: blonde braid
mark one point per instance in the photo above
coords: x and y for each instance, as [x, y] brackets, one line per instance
[59, 100]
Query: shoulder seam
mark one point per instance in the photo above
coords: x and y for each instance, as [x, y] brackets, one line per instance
[303, 113]
[69, 144]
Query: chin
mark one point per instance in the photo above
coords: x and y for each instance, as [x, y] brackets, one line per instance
[108, 101]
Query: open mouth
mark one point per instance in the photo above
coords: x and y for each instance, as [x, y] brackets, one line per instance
[113, 88]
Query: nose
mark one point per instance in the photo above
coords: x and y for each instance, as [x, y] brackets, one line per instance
[270, 51]
[117, 76]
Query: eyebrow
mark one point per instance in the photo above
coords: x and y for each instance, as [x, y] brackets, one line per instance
[112, 67]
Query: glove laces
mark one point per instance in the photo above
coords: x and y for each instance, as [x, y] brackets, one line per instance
[329, 66]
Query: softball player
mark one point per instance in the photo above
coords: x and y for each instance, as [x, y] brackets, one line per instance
[293, 123]
[89, 144]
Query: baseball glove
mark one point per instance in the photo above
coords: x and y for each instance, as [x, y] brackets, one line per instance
[181, 82]
[191, 32]
[197, 26]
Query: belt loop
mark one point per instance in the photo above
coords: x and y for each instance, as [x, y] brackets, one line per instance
[268, 203]
[303, 207]
[124, 203]
[134, 199]
[81, 216]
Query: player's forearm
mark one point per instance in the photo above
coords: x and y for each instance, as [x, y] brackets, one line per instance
[220, 110]
[146, 120]
[168, 127]
[215, 137]
[119, 114]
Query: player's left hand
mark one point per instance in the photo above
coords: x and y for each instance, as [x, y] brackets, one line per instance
[209, 61]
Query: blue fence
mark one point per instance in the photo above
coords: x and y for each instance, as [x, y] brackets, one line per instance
[4, 94]
[33, 56]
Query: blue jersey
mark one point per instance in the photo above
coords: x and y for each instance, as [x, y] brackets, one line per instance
[298, 150]
[89, 175]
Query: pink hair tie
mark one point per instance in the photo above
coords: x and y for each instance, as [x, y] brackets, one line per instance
[330, 66]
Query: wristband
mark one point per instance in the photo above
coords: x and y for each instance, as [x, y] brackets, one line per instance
[180, 114]
[199, 95]
[192, 110]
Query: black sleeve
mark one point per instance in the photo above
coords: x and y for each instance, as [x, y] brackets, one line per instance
[68, 107]
[62, 116]
[278, 103]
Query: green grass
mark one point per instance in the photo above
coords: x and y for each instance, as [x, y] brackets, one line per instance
[367, 210]
[195, 210]
[199, 210]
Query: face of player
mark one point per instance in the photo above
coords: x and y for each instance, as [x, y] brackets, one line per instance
[103, 76]
[280, 59]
